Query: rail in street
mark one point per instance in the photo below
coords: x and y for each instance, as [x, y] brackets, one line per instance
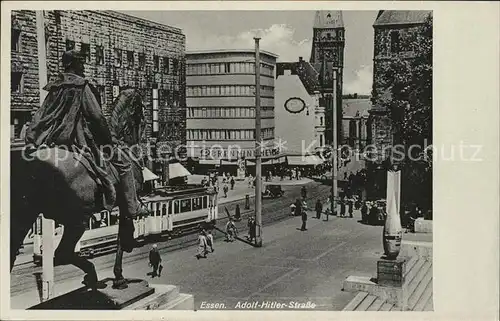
[274, 210]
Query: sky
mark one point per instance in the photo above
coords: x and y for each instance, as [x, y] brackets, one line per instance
[286, 33]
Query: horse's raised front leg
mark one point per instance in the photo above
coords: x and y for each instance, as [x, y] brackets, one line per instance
[65, 254]
[119, 282]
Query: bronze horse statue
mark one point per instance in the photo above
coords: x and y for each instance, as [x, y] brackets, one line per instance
[54, 182]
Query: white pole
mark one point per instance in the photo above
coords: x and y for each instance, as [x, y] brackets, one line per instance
[42, 54]
[48, 230]
[258, 144]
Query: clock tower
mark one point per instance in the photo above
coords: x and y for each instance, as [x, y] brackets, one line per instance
[328, 53]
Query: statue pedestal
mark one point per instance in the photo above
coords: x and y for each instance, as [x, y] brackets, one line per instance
[138, 296]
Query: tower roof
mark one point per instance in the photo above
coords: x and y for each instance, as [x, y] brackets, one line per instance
[401, 17]
[328, 19]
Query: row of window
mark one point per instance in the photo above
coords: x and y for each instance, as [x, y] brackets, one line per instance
[228, 68]
[229, 112]
[163, 64]
[228, 134]
[228, 90]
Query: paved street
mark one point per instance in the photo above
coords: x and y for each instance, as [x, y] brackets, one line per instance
[291, 266]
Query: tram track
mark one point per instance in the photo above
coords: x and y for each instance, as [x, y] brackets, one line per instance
[273, 211]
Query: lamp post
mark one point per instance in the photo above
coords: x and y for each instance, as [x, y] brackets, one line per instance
[334, 143]
[258, 145]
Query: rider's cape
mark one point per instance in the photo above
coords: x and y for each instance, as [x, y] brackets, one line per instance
[71, 116]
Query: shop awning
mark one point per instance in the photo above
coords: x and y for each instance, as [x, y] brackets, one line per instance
[309, 160]
[148, 175]
[209, 162]
[177, 170]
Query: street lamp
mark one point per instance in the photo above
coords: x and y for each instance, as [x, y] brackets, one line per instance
[258, 145]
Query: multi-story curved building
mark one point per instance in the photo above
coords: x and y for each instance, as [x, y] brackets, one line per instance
[220, 98]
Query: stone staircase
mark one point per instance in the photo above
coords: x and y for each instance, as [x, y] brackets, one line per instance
[415, 295]
[165, 297]
[139, 295]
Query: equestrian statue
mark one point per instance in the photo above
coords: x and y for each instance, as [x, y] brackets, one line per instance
[76, 163]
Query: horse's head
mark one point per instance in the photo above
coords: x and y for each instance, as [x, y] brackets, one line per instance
[127, 117]
[128, 125]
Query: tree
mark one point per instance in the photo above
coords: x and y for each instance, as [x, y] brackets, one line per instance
[409, 100]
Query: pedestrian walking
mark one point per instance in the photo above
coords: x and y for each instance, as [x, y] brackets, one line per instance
[319, 209]
[232, 183]
[342, 207]
[350, 204]
[304, 219]
[225, 189]
[237, 213]
[252, 228]
[303, 192]
[155, 261]
[210, 242]
[202, 245]
[230, 231]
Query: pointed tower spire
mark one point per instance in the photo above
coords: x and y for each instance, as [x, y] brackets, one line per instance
[328, 19]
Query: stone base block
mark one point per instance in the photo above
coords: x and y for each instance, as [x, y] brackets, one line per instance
[423, 226]
[392, 295]
[106, 298]
[391, 272]
[418, 249]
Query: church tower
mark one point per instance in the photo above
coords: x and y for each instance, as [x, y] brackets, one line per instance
[328, 53]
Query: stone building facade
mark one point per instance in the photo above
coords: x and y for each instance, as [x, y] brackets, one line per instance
[391, 30]
[121, 51]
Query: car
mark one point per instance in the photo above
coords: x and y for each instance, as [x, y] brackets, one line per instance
[273, 191]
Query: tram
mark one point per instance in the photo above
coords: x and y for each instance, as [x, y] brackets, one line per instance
[174, 211]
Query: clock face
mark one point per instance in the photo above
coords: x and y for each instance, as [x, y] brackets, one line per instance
[295, 105]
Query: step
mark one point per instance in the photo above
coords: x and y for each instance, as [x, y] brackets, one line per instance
[410, 264]
[163, 295]
[429, 305]
[363, 306]
[412, 274]
[415, 282]
[424, 298]
[183, 302]
[351, 306]
[376, 305]
[386, 307]
[419, 290]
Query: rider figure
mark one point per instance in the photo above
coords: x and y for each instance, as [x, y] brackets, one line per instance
[71, 115]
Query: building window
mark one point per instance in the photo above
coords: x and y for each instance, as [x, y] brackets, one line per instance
[70, 44]
[394, 42]
[15, 44]
[175, 66]
[16, 82]
[130, 59]
[227, 67]
[19, 122]
[118, 57]
[85, 51]
[155, 120]
[166, 65]
[99, 55]
[156, 63]
[321, 122]
[142, 61]
[102, 94]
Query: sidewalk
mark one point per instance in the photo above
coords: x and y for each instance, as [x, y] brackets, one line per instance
[242, 188]
[183, 270]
